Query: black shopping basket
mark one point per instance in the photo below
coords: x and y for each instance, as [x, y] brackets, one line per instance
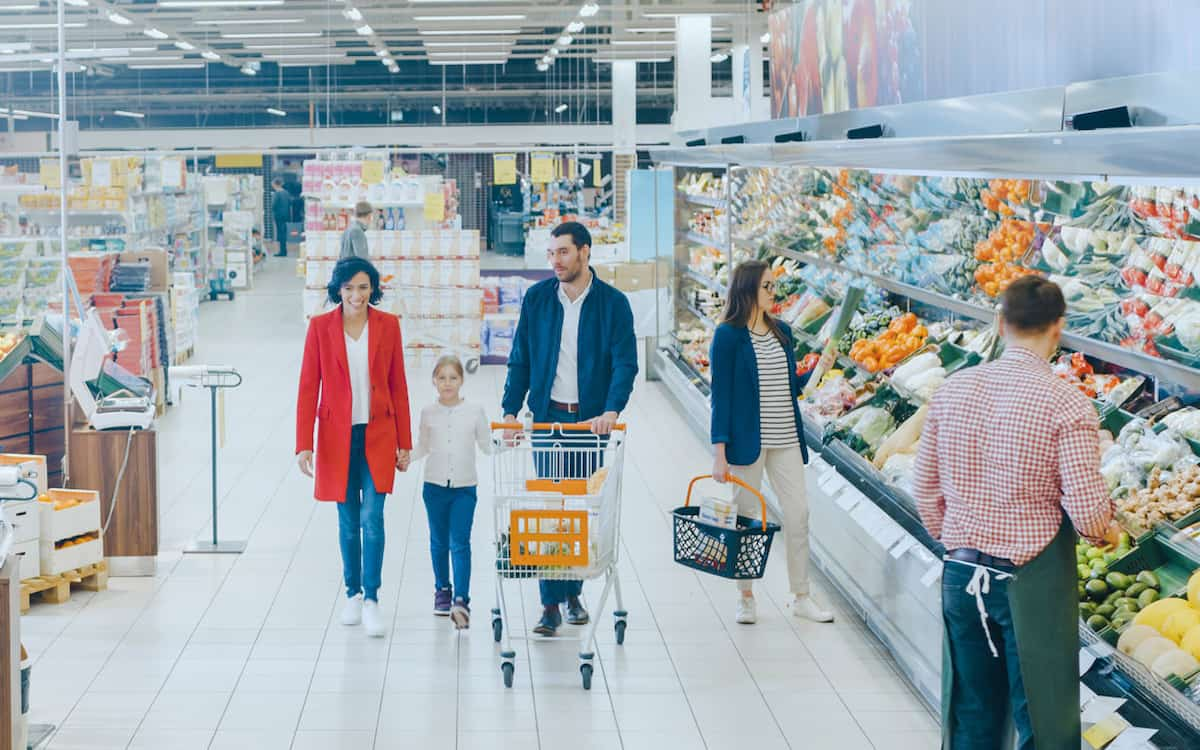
[739, 553]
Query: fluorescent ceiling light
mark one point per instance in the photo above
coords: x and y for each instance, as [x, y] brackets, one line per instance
[16, 26]
[305, 56]
[719, 57]
[217, 3]
[14, 117]
[275, 34]
[210, 55]
[555, 51]
[448, 2]
[118, 19]
[643, 42]
[154, 33]
[353, 14]
[142, 58]
[168, 66]
[610, 60]
[8, 48]
[277, 112]
[467, 62]
[77, 3]
[126, 113]
[561, 108]
[589, 10]
[185, 46]
[437, 110]
[315, 63]
[453, 32]
[497, 43]
[294, 45]
[249, 70]
[450, 54]
[576, 26]
[765, 38]
[545, 59]
[32, 113]
[382, 53]
[509, 17]
[246, 21]
[18, 7]
[365, 30]
[543, 67]
[648, 30]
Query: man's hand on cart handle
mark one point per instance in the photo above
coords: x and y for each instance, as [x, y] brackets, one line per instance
[603, 424]
[305, 460]
[511, 437]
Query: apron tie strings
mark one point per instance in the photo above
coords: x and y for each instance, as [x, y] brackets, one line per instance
[980, 584]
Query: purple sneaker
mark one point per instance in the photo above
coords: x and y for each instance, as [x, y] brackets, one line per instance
[442, 599]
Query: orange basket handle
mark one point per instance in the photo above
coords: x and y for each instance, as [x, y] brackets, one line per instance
[730, 478]
[572, 427]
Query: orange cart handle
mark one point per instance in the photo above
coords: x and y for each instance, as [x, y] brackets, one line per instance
[730, 478]
[571, 427]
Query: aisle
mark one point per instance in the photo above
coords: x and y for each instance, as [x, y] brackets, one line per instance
[240, 652]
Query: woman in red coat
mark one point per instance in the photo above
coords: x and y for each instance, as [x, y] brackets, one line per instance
[352, 387]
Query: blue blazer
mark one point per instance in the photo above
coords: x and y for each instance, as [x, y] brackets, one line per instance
[607, 351]
[735, 398]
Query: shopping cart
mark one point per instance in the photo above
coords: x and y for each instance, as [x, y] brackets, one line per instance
[557, 517]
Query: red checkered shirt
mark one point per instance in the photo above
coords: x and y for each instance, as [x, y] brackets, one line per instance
[1007, 446]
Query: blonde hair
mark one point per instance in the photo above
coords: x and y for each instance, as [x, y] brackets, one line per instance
[449, 360]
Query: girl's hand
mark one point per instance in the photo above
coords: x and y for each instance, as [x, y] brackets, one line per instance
[305, 460]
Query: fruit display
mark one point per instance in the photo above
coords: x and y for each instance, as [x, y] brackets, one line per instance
[1000, 195]
[1001, 254]
[703, 185]
[904, 336]
[1165, 634]
[1168, 496]
[867, 326]
[1109, 598]
[8, 342]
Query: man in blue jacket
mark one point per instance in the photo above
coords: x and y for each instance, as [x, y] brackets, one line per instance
[281, 211]
[574, 355]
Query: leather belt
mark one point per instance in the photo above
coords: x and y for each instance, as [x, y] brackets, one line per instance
[568, 408]
[975, 557]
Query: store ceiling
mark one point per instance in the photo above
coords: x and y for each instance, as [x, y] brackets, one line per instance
[211, 62]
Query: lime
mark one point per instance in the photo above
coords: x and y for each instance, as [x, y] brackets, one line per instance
[1147, 597]
[1097, 623]
[1096, 589]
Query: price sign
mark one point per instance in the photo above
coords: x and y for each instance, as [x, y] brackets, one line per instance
[435, 206]
[541, 168]
[504, 169]
[373, 171]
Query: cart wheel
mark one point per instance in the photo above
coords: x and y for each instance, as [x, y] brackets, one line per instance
[620, 627]
[507, 669]
[586, 671]
[497, 629]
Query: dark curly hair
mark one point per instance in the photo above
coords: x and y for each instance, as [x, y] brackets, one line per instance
[348, 268]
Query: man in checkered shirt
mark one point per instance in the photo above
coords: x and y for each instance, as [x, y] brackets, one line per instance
[1007, 449]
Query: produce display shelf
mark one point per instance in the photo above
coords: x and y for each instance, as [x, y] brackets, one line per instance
[704, 319]
[705, 200]
[1165, 369]
[707, 281]
[75, 214]
[703, 239]
[15, 358]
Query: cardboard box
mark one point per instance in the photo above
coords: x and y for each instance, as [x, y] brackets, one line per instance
[635, 277]
[31, 561]
[160, 267]
[606, 273]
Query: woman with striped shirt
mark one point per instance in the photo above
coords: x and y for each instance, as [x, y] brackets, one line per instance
[756, 424]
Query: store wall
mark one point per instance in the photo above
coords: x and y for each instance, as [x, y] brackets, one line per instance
[833, 55]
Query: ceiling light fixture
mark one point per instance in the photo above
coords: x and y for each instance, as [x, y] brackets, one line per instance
[353, 14]
[16, 26]
[168, 66]
[382, 53]
[365, 30]
[249, 70]
[127, 113]
[246, 21]
[497, 43]
[450, 54]
[649, 30]
[142, 58]
[546, 59]
[293, 45]
[437, 110]
[273, 34]
[555, 51]
[467, 62]
[18, 7]
[77, 3]
[185, 46]
[217, 3]
[589, 10]
[719, 57]
[210, 55]
[575, 27]
[277, 112]
[643, 42]
[118, 19]
[565, 40]
[543, 67]
[509, 17]
[560, 108]
[306, 56]
[154, 33]
[453, 32]
[32, 113]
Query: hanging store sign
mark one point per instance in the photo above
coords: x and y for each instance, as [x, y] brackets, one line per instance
[541, 168]
[239, 161]
[504, 169]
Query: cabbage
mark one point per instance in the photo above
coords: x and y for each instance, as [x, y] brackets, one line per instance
[873, 425]
[1186, 422]
[1187, 329]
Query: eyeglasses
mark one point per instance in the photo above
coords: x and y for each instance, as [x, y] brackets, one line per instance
[769, 286]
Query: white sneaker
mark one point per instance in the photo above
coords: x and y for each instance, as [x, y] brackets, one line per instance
[352, 610]
[747, 610]
[804, 606]
[373, 619]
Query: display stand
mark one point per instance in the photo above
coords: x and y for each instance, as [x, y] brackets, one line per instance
[131, 538]
[214, 379]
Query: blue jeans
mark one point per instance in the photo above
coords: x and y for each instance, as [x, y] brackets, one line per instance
[983, 684]
[451, 512]
[360, 524]
[571, 466]
[281, 235]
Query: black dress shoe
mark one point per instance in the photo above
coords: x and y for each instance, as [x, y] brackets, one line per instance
[576, 614]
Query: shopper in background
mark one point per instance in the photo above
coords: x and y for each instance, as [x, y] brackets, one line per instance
[756, 425]
[281, 211]
[352, 386]
[1008, 461]
[354, 239]
[256, 246]
[450, 429]
[574, 354]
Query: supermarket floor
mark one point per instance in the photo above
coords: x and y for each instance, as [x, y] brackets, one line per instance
[245, 651]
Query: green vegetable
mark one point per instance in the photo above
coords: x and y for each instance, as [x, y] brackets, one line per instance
[1096, 589]
[1126, 603]
[1118, 580]
[1097, 623]
[1147, 597]
[1104, 610]
[1150, 579]
[1087, 609]
[1135, 589]
[1084, 572]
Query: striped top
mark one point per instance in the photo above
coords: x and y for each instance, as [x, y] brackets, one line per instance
[777, 418]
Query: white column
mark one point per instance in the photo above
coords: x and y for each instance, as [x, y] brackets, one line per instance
[624, 105]
[743, 70]
[693, 72]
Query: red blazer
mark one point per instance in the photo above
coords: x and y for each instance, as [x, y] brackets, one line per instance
[326, 400]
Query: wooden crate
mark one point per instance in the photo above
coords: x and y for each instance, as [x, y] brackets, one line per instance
[60, 560]
[57, 525]
[56, 589]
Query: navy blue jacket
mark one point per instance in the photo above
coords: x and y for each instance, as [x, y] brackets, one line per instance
[735, 398]
[607, 351]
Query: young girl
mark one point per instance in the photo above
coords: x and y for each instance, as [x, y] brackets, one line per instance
[450, 430]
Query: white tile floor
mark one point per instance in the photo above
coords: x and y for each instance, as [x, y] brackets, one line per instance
[226, 652]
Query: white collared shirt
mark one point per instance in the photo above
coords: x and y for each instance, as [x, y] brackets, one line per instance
[360, 377]
[565, 389]
[448, 436]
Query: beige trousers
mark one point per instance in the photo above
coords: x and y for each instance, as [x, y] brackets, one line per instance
[785, 471]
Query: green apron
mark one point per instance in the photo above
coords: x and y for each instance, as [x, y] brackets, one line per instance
[1043, 596]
